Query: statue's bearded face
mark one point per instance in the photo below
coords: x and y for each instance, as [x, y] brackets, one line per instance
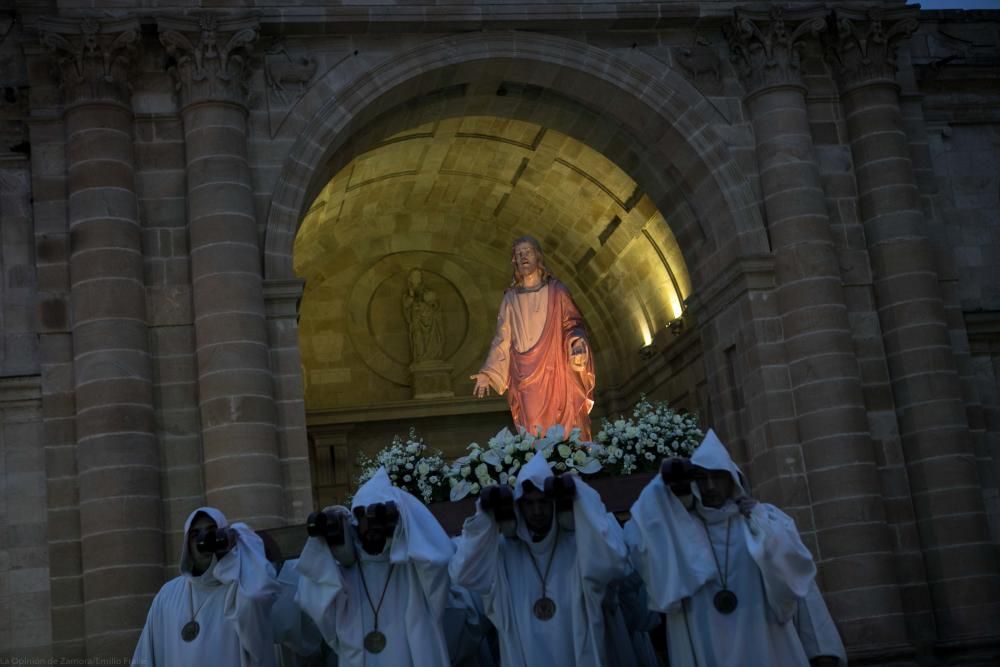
[525, 259]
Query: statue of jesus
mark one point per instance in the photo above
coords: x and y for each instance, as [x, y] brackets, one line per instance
[540, 355]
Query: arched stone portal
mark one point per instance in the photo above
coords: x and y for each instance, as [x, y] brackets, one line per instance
[658, 132]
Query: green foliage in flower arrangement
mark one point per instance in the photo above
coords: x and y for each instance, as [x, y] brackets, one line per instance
[411, 466]
[502, 457]
[624, 446]
[653, 432]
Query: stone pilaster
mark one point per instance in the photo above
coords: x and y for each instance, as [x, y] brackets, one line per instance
[282, 298]
[243, 474]
[822, 372]
[944, 485]
[116, 448]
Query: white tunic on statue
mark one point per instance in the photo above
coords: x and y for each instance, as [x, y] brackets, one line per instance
[415, 598]
[231, 602]
[770, 570]
[584, 562]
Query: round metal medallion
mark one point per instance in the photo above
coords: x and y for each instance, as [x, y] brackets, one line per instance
[544, 608]
[375, 642]
[725, 601]
[190, 631]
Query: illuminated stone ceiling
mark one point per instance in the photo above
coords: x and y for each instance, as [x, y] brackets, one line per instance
[448, 197]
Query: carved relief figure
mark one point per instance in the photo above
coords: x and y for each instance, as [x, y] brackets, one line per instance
[284, 70]
[422, 311]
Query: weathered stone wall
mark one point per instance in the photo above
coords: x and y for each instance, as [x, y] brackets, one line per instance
[953, 55]
[838, 217]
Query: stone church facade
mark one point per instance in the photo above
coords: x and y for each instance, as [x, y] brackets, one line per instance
[785, 218]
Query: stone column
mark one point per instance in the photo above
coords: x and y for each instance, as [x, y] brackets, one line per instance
[210, 61]
[947, 495]
[116, 448]
[853, 543]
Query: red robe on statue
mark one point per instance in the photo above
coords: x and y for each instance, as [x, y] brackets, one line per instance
[530, 359]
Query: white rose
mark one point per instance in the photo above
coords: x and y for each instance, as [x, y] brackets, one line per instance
[474, 489]
[482, 471]
[466, 471]
[527, 457]
[423, 468]
[565, 451]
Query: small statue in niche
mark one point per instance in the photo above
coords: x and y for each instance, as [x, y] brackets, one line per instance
[422, 311]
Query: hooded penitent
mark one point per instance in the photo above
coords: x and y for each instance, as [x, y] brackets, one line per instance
[687, 557]
[508, 573]
[230, 604]
[413, 598]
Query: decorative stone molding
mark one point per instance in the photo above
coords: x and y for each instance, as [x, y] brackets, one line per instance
[93, 57]
[281, 297]
[765, 46]
[861, 45]
[211, 57]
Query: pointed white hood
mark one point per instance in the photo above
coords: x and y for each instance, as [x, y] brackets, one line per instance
[712, 455]
[537, 470]
[419, 535]
[378, 489]
[220, 522]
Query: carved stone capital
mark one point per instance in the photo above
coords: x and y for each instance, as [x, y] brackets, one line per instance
[210, 57]
[765, 46]
[861, 45]
[93, 57]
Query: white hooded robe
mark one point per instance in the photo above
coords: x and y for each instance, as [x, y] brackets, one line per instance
[231, 602]
[415, 597]
[584, 563]
[817, 631]
[295, 635]
[769, 570]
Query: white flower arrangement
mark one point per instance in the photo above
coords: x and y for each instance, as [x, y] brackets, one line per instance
[654, 432]
[410, 466]
[623, 447]
[505, 453]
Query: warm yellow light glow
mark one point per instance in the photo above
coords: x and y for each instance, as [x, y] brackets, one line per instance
[675, 305]
[647, 338]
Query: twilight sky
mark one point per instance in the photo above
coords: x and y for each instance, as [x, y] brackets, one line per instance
[958, 4]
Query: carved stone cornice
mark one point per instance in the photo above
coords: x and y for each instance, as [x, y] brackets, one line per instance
[861, 45]
[210, 57]
[93, 57]
[765, 46]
